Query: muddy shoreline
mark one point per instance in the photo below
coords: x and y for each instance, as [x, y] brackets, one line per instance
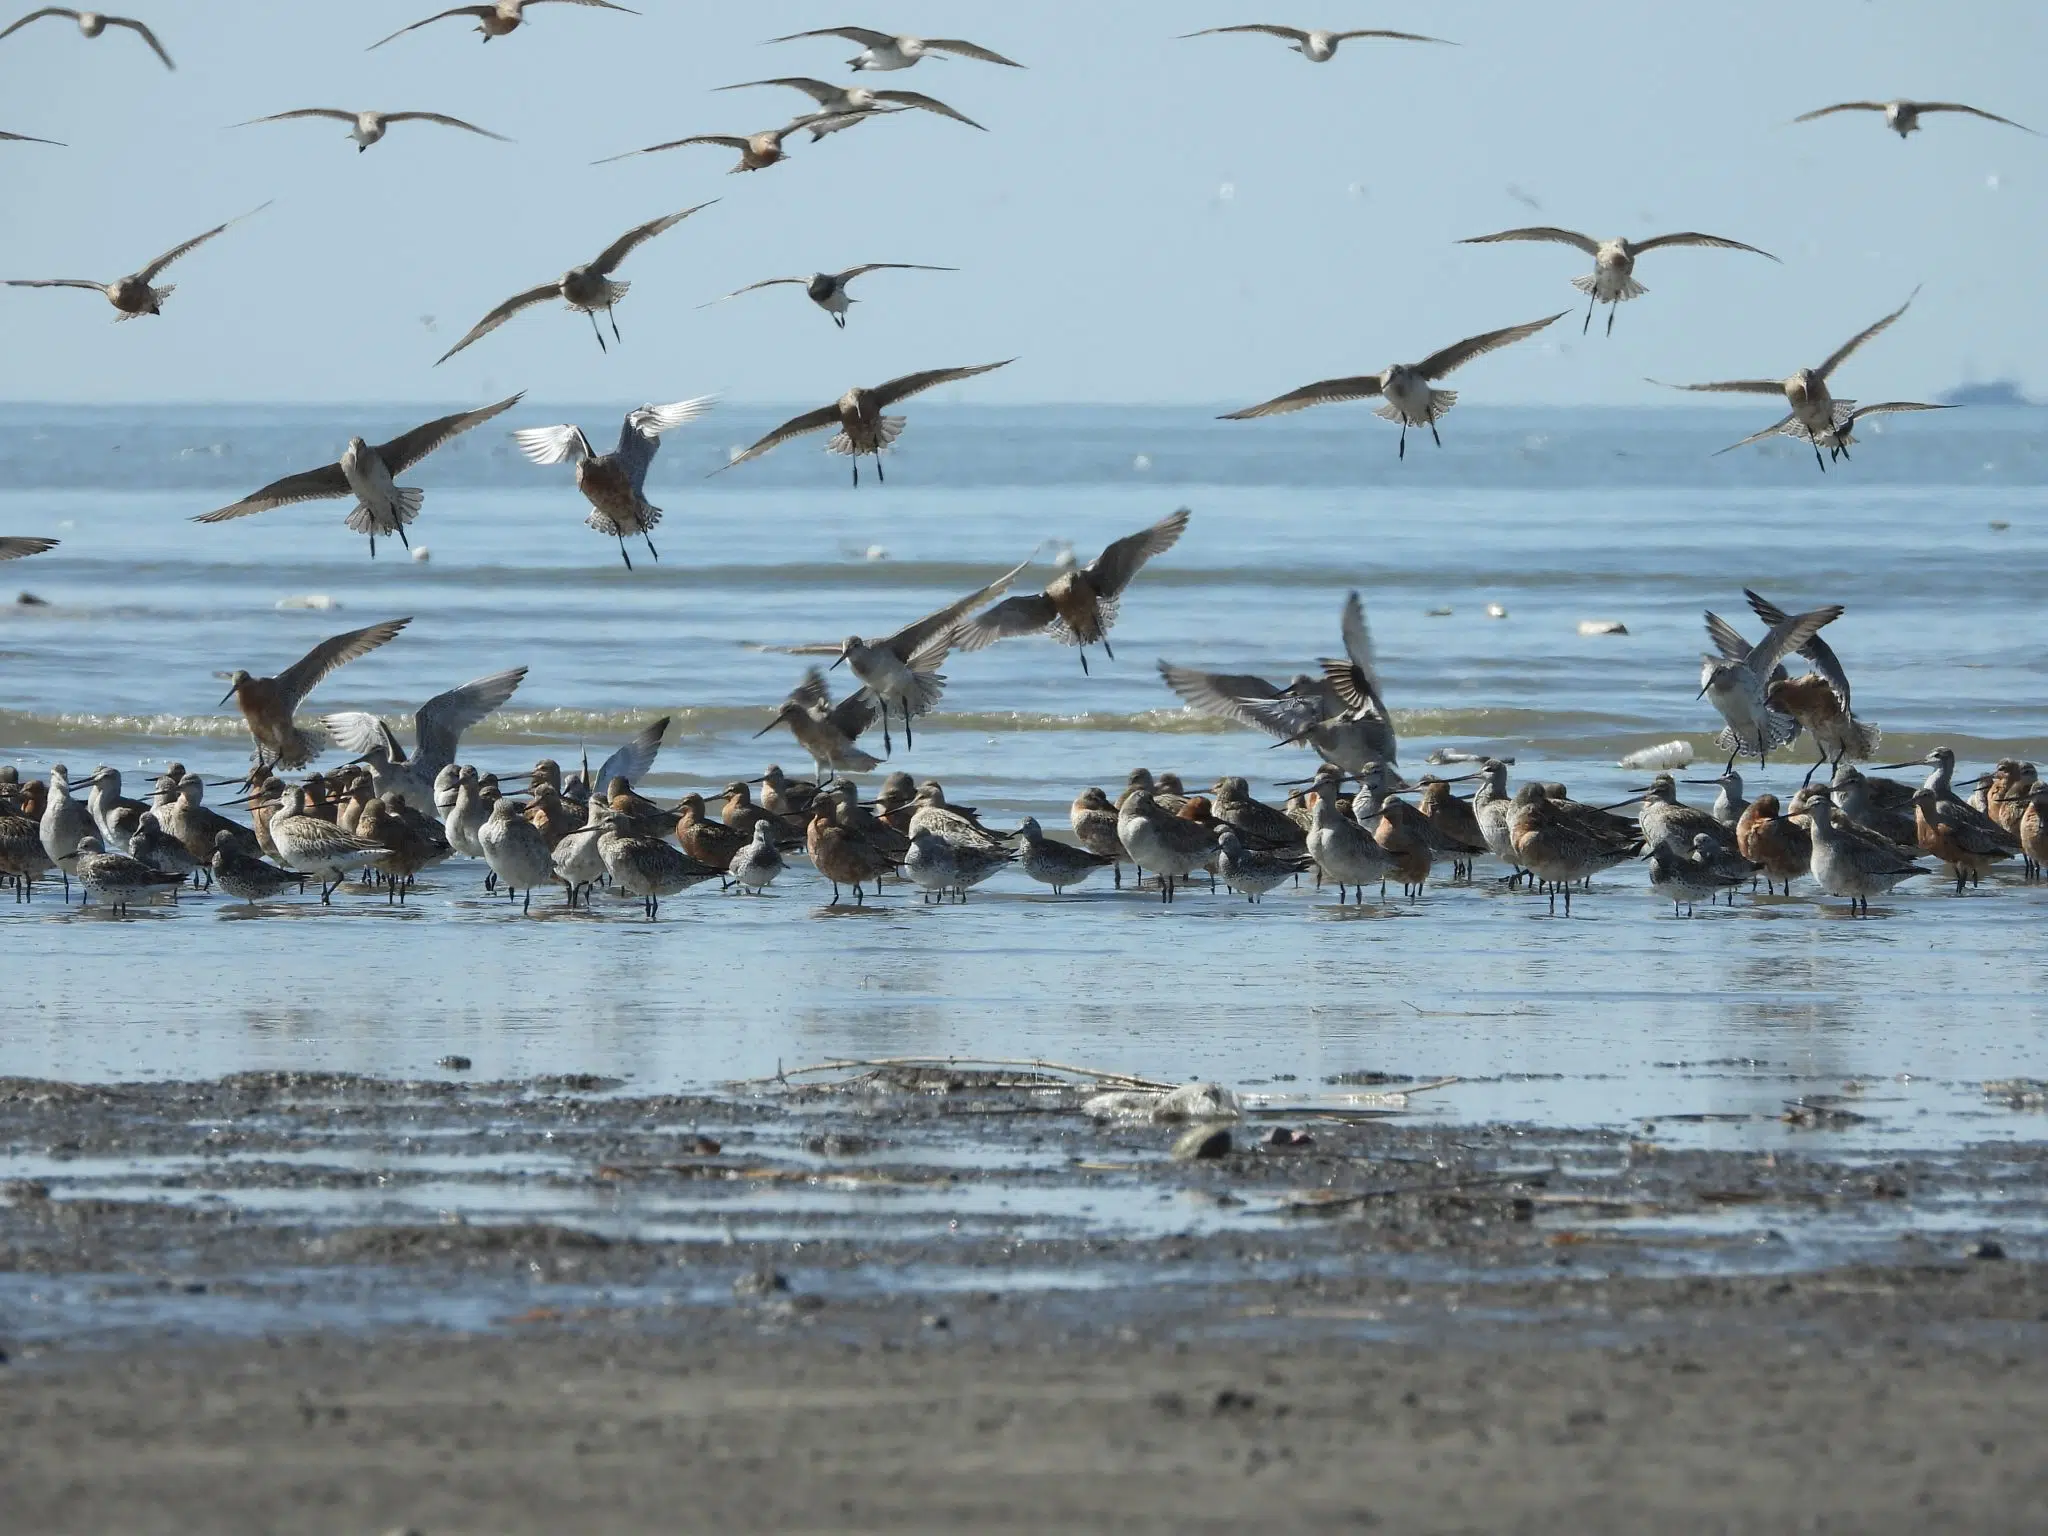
[905, 1298]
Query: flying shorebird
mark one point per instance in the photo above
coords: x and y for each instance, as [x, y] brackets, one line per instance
[1903, 117]
[1816, 415]
[1612, 280]
[827, 290]
[268, 703]
[368, 474]
[586, 289]
[1403, 388]
[1340, 714]
[1737, 682]
[438, 725]
[1080, 605]
[882, 51]
[852, 101]
[760, 150]
[93, 23]
[1318, 47]
[28, 138]
[829, 732]
[496, 19]
[21, 548]
[1819, 701]
[903, 669]
[366, 128]
[615, 483]
[863, 429]
[133, 295]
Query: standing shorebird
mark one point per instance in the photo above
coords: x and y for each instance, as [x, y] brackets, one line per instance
[1818, 701]
[317, 847]
[92, 24]
[827, 290]
[135, 294]
[22, 548]
[615, 483]
[64, 823]
[1403, 389]
[1341, 714]
[369, 474]
[1171, 846]
[1058, 865]
[268, 703]
[885, 51]
[1815, 414]
[585, 289]
[829, 732]
[116, 878]
[902, 669]
[438, 725]
[852, 101]
[1612, 281]
[1317, 46]
[516, 852]
[757, 865]
[1903, 117]
[1848, 861]
[863, 429]
[496, 19]
[366, 128]
[1737, 682]
[1080, 606]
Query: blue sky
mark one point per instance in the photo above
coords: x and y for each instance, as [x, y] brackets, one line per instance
[1147, 219]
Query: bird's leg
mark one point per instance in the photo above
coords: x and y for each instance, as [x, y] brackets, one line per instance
[1106, 650]
[595, 331]
[609, 315]
[622, 552]
[1432, 432]
[650, 545]
[856, 471]
[908, 742]
[888, 745]
[880, 478]
[1612, 310]
[402, 539]
[1823, 463]
[373, 546]
[1584, 329]
[1084, 661]
[840, 321]
[1402, 452]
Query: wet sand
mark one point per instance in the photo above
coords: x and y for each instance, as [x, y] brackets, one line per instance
[930, 1299]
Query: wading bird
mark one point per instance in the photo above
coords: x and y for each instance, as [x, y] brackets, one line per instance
[268, 703]
[1737, 682]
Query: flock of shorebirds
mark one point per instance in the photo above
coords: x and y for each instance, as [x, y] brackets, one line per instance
[396, 811]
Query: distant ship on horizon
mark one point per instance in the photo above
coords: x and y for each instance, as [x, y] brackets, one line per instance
[1989, 392]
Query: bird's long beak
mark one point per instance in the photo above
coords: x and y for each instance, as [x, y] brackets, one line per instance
[763, 732]
[835, 661]
[1695, 781]
[1459, 779]
[1619, 805]
[225, 697]
[225, 783]
[1703, 690]
[1915, 762]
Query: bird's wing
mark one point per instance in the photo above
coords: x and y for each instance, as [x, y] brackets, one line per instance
[1549, 232]
[48, 10]
[29, 138]
[1694, 237]
[1399, 37]
[1364, 387]
[729, 141]
[299, 679]
[1841, 354]
[877, 266]
[928, 104]
[1815, 650]
[16, 549]
[820, 91]
[1011, 617]
[312, 485]
[1729, 387]
[1790, 635]
[445, 121]
[1455, 356]
[1840, 106]
[854, 713]
[918, 639]
[1957, 106]
[601, 4]
[1358, 649]
[1354, 686]
[279, 117]
[148, 273]
[1756, 437]
[56, 282]
[967, 50]
[149, 37]
[551, 445]
[632, 761]
[1222, 694]
[440, 722]
[1111, 571]
[867, 37]
[1726, 640]
[1283, 715]
[401, 453]
[501, 314]
[917, 383]
[1292, 34]
[653, 420]
[812, 692]
[822, 123]
[1892, 407]
[608, 260]
[460, 10]
[354, 731]
[766, 282]
[811, 421]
